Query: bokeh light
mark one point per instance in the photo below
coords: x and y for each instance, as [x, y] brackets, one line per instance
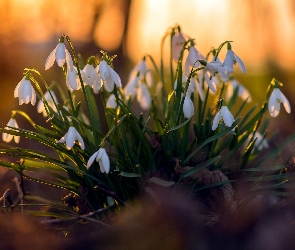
[263, 34]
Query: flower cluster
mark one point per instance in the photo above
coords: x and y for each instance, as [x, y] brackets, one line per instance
[191, 114]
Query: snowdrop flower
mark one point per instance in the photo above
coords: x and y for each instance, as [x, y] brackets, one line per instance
[177, 43]
[223, 115]
[130, 88]
[109, 76]
[224, 73]
[61, 55]
[188, 107]
[216, 67]
[70, 137]
[102, 158]
[212, 81]
[72, 80]
[194, 85]
[142, 72]
[89, 75]
[143, 96]
[139, 70]
[111, 102]
[260, 142]
[231, 58]
[97, 86]
[25, 92]
[7, 137]
[211, 69]
[242, 91]
[48, 98]
[276, 98]
[149, 78]
[192, 59]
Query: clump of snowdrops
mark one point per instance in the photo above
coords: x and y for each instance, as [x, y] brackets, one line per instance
[194, 113]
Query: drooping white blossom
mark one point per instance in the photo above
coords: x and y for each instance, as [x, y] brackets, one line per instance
[177, 43]
[90, 75]
[212, 81]
[7, 137]
[49, 99]
[70, 137]
[131, 88]
[109, 76]
[275, 100]
[231, 58]
[111, 102]
[60, 54]
[188, 107]
[142, 72]
[242, 91]
[138, 70]
[102, 158]
[192, 60]
[143, 96]
[25, 92]
[260, 142]
[224, 73]
[72, 80]
[223, 115]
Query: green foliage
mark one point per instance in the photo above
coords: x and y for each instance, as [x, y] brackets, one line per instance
[144, 149]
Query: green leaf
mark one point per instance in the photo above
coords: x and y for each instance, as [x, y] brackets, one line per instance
[179, 126]
[212, 138]
[130, 175]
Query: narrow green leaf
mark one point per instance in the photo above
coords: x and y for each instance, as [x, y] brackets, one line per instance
[212, 138]
[130, 175]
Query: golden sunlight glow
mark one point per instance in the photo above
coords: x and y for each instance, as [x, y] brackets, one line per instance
[110, 28]
[260, 29]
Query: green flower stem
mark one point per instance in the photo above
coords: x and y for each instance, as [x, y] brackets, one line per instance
[39, 88]
[201, 118]
[28, 118]
[263, 110]
[219, 49]
[171, 62]
[94, 118]
[162, 58]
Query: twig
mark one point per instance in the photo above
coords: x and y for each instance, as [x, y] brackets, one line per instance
[6, 197]
[85, 217]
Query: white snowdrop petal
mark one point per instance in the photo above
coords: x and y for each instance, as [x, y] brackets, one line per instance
[241, 64]
[91, 160]
[144, 96]
[188, 107]
[60, 55]
[216, 120]
[116, 78]
[105, 162]
[111, 102]
[228, 118]
[104, 70]
[50, 59]
[286, 103]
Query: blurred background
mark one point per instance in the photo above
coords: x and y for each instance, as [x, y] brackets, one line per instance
[263, 33]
